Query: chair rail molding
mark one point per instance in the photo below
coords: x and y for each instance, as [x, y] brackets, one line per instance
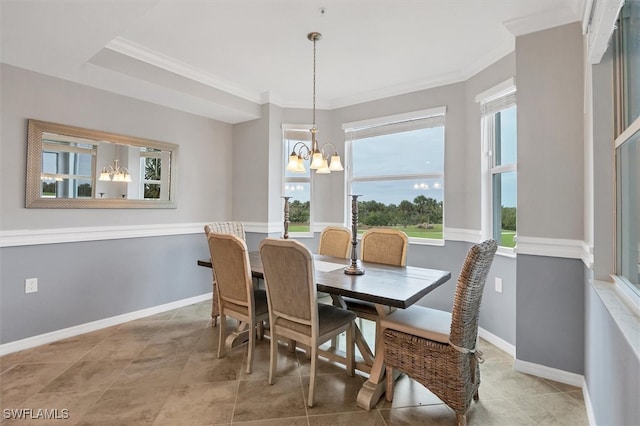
[462, 234]
[555, 247]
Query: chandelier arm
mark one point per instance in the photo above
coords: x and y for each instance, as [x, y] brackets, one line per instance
[303, 152]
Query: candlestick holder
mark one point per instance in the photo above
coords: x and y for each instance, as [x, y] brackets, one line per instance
[286, 218]
[355, 268]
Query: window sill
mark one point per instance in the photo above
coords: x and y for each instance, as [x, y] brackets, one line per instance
[626, 317]
[425, 242]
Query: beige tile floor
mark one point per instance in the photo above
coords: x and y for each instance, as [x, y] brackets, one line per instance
[162, 370]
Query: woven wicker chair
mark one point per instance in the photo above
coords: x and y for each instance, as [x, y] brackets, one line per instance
[438, 348]
[237, 297]
[233, 228]
[335, 241]
[294, 311]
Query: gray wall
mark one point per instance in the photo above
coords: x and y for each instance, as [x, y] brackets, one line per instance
[612, 368]
[550, 319]
[204, 157]
[550, 312]
[86, 281]
[550, 133]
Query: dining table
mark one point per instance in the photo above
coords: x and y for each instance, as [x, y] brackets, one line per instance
[387, 287]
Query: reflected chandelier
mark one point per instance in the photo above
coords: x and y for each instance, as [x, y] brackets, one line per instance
[319, 155]
[115, 173]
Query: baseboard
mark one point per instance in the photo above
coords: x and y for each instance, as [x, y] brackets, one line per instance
[65, 333]
[496, 341]
[561, 376]
[587, 404]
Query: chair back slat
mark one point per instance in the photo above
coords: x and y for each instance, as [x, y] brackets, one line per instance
[233, 228]
[289, 278]
[335, 241]
[388, 246]
[468, 295]
[230, 260]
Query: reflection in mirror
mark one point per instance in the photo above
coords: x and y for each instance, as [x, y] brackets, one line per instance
[71, 167]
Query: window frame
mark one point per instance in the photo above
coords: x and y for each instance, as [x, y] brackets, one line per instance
[493, 101]
[431, 114]
[286, 150]
[55, 144]
[624, 133]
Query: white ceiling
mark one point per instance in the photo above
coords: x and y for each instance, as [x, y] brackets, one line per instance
[223, 58]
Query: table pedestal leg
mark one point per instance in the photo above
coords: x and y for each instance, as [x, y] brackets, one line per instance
[375, 387]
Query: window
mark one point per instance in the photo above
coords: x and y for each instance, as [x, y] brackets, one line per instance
[627, 145]
[67, 167]
[396, 164]
[297, 186]
[499, 140]
[154, 177]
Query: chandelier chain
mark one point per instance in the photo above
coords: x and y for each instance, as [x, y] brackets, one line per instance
[314, 82]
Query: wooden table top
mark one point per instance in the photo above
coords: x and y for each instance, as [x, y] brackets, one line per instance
[396, 286]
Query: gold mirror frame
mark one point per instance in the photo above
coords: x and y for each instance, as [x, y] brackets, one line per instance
[37, 128]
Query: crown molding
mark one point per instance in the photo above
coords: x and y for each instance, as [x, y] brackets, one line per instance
[542, 21]
[599, 29]
[167, 63]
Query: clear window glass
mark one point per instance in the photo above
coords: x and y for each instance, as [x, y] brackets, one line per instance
[400, 177]
[505, 149]
[299, 206]
[297, 185]
[627, 152]
[504, 208]
[416, 151]
[628, 210]
[629, 47]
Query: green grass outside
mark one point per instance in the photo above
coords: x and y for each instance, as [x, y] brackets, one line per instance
[414, 232]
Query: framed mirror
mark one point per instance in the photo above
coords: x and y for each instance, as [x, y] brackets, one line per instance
[72, 167]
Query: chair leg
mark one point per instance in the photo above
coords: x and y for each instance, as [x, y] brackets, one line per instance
[351, 357]
[252, 345]
[462, 419]
[222, 335]
[312, 375]
[260, 330]
[389, 391]
[273, 358]
[214, 306]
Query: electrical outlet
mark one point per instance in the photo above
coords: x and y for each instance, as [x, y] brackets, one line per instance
[499, 285]
[31, 285]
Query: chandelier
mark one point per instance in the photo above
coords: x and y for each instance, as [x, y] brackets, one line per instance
[115, 173]
[319, 156]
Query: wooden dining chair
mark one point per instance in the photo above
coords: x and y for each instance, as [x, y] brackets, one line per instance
[387, 246]
[439, 349]
[384, 246]
[335, 241]
[237, 296]
[294, 311]
[233, 228]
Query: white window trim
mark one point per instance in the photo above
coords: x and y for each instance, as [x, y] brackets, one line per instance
[487, 170]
